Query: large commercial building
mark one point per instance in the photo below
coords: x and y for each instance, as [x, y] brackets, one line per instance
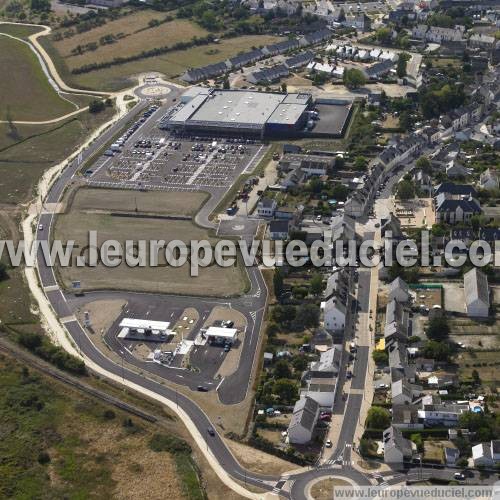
[239, 112]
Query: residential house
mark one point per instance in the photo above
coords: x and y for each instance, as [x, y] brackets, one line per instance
[391, 228]
[482, 41]
[316, 37]
[455, 191]
[194, 75]
[403, 392]
[451, 455]
[486, 454]
[397, 449]
[399, 291]
[304, 418]
[299, 60]
[489, 179]
[477, 293]
[455, 169]
[342, 228]
[281, 47]
[397, 323]
[334, 307]
[405, 416]
[268, 75]
[432, 134]
[266, 207]
[355, 205]
[327, 366]
[279, 229]
[490, 235]
[244, 58]
[434, 412]
[453, 211]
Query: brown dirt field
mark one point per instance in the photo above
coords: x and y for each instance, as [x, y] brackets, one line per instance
[134, 42]
[148, 202]
[258, 461]
[212, 280]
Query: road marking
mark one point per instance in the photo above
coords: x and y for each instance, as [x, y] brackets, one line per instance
[51, 288]
[220, 383]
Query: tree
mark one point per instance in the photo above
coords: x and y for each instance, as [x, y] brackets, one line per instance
[423, 163]
[282, 370]
[476, 378]
[286, 390]
[378, 418]
[405, 190]
[354, 78]
[283, 88]
[277, 282]
[96, 106]
[299, 363]
[360, 163]
[40, 5]
[440, 351]
[309, 315]
[403, 59]
[380, 357]
[340, 192]
[225, 84]
[438, 328]
[317, 285]
[383, 35]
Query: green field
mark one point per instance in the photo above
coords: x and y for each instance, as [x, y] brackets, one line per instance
[29, 150]
[26, 95]
[18, 30]
[172, 64]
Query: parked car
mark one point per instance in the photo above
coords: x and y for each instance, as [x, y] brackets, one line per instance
[40, 227]
[328, 443]
[202, 388]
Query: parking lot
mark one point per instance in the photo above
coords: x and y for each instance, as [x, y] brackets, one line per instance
[146, 157]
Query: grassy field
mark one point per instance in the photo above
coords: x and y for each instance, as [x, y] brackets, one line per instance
[29, 150]
[68, 445]
[487, 364]
[26, 95]
[17, 30]
[76, 223]
[172, 65]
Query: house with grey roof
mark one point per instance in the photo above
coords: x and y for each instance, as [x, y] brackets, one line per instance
[268, 75]
[405, 416]
[244, 58]
[334, 307]
[453, 211]
[266, 207]
[399, 291]
[327, 366]
[397, 449]
[477, 293]
[397, 322]
[403, 392]
[304, 418]
[298, 60]
[486, 454]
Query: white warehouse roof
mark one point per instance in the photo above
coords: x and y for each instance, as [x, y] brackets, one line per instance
[143, 324]
[216, 331]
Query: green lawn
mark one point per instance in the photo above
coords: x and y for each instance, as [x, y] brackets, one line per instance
[18, 30]
[26, 95]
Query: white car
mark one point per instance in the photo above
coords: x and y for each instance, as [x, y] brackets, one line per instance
[328, 443]
[40, 227]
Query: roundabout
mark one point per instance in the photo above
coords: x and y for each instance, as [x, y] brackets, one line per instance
[153, 91]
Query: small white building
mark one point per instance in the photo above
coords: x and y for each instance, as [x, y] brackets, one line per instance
[219, 335]
[144, 329]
